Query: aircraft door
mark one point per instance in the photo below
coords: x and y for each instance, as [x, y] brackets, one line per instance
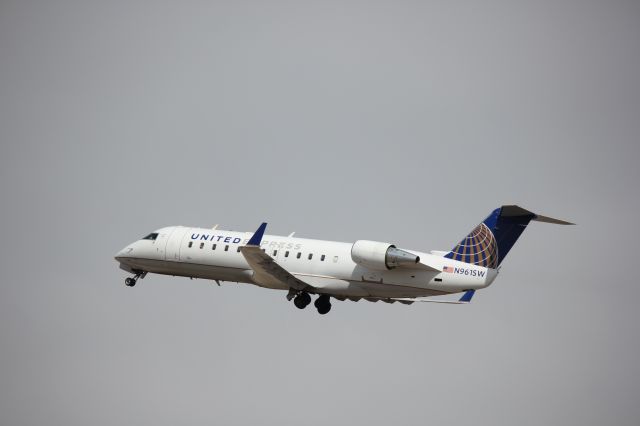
[174, 243]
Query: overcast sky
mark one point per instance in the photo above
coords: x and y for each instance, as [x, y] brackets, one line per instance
[397, 121]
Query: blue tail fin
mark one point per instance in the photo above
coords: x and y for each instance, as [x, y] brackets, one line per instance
[488, 243]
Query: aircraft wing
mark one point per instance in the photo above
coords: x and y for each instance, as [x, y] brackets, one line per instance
[466, 298]
[265, 269]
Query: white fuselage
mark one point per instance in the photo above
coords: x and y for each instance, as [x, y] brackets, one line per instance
[326, 265]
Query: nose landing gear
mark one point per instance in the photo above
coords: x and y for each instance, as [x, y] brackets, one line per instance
[131, 281]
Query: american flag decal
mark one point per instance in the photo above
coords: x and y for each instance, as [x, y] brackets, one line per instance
[447, 269]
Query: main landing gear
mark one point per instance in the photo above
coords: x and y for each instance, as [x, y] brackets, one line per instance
[323, 304]
[131, 281]
[302, 299]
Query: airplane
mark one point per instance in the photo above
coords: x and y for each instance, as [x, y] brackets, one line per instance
[370, 270]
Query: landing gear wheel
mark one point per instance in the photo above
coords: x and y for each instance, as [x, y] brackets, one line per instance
[302, 300]
[323, 304]
[324, 309]
[131, 281]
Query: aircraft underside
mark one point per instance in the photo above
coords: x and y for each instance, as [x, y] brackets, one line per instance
[324, 287]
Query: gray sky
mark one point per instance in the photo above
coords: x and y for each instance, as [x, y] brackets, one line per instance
[397, 121]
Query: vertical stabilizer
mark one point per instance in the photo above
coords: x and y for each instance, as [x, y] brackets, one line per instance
[488, 243]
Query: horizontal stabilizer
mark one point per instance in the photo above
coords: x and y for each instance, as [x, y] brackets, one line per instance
[540, 218]
[515, 211]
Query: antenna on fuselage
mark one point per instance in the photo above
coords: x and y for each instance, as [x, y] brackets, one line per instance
[215, 227]
[291, 234]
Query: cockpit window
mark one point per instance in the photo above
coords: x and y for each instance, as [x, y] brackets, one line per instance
[151, 236]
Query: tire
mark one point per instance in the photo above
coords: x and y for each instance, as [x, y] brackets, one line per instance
[306, 299]
[324, 309]
[300, 302]
[323, 304]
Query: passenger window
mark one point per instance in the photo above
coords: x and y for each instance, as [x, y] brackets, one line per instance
[190, 244]
[226, 248]
[286, 253]
[275, 253]
[322, 258]
[238, 249]
[201, 245]
[310, 256]
[213, 247]
[299, 254]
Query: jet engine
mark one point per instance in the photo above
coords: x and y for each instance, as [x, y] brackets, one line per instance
[381, 256]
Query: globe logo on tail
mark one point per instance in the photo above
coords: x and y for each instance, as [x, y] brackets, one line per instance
[478, 248]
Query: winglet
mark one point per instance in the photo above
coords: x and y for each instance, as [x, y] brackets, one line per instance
[466, 297]
[257, 237]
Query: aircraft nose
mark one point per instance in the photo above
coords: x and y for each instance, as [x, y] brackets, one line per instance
[124, 253]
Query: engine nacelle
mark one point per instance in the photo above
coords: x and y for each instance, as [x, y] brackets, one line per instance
[381, 256]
